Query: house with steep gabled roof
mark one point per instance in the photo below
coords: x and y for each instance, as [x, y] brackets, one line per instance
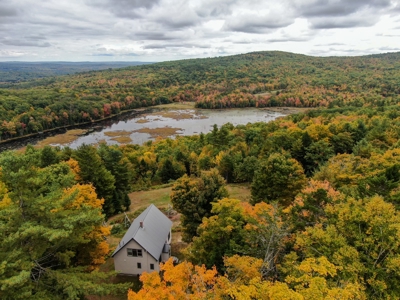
[145, 244]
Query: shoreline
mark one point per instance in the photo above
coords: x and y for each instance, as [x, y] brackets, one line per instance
[32, 138]
[89, 127]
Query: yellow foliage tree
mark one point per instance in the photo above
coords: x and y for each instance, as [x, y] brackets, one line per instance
[183, 281]
[243, 281]
[74, 165]
[97, 248]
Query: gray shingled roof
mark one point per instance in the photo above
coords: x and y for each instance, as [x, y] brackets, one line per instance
[152, 236]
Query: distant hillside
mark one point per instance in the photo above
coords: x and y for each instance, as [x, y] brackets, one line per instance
[23, 71]
[257, 79]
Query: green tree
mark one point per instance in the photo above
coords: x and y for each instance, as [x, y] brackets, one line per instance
[219, 235]
[168, 171]
[92, 170]
[193, 196]
[278, 178]
[119, 167]
[44, 227]
[317, 154]
[48, 156]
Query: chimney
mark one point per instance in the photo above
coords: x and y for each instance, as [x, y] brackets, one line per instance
[141, 224]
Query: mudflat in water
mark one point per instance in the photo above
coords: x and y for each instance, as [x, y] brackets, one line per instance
[170, 123]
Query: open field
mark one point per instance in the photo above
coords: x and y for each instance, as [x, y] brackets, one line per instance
[142, 199]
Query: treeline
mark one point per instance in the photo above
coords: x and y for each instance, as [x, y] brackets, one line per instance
[11, 72]
[258, 79]
[322, 222]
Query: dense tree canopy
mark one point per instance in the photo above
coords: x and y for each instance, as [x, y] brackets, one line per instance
[258, 79]
[323, 219]
[51, 231]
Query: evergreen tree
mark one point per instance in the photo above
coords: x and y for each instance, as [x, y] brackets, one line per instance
[46, 223]
[92, 170]
[118, 165]
[48, 156]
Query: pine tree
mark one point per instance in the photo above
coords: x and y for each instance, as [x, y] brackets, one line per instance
[92, 170]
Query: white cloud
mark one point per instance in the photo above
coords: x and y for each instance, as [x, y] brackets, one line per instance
[156, 30]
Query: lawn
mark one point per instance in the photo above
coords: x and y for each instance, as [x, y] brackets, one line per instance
[160, 197]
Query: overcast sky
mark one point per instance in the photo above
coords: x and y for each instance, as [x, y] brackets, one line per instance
[159, 30]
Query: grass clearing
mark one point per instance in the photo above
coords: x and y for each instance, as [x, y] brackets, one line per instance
[142, 199]
[177, 105]
[160, 197]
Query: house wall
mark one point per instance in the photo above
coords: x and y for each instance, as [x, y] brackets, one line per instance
[128, 264]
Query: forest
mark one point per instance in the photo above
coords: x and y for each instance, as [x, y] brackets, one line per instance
[14, 71]
[323, 220]
[258, 79]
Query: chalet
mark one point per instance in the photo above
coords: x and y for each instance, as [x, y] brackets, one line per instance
[145, 244]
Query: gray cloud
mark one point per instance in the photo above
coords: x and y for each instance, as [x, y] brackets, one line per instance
[153, 35]
[256, 23]
[329, 14]
[7, 11]
[182, 18]
[24, 43]
[102, 54]
[341, 22]
[338, 8]
[124, 8]
[389, 48]
[215, 8]
[36, 37]
[181, 45]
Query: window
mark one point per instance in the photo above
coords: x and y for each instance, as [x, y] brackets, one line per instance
[135, 252]
[139, 265]
[151, 266]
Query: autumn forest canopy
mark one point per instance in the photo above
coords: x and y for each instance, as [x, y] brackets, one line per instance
[259, 79]
[323, 220]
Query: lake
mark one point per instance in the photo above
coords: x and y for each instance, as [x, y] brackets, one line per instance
[170, 123]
